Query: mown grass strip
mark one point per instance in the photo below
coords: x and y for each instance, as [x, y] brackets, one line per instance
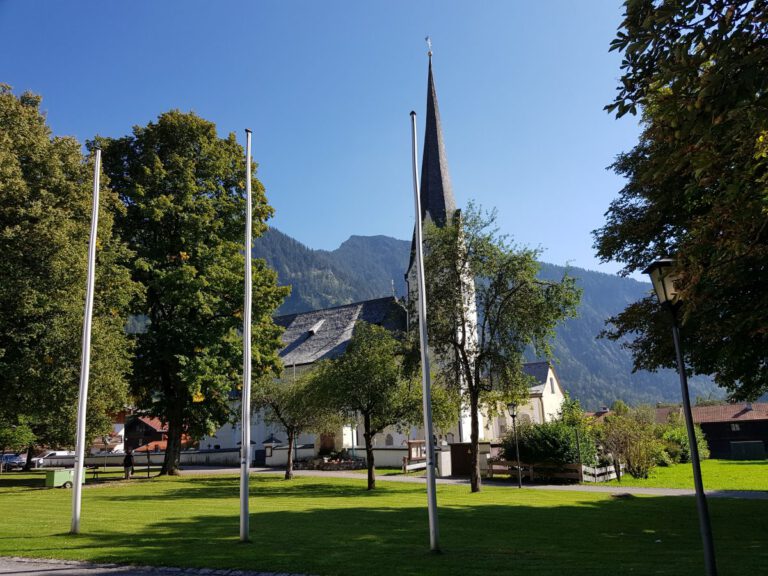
[331, 526]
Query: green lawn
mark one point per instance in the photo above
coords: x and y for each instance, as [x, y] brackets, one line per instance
[717, 475]
[330, 526]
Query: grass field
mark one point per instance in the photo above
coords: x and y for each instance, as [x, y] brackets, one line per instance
[330, 526]
[716, 474]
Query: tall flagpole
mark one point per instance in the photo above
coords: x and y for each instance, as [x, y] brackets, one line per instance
[245, 441]
[85, 362]
[434, 536]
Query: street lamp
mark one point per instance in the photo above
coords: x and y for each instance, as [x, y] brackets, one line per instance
[663, 276]
[512, 406]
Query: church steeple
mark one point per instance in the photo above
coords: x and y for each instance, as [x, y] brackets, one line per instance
[437, 201]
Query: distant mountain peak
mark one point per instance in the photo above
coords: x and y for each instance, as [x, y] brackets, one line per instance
[595, 371]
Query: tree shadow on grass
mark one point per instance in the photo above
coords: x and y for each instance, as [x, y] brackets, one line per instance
[192, 488]
[586, 537]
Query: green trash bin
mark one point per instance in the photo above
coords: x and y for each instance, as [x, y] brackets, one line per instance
[61, 478]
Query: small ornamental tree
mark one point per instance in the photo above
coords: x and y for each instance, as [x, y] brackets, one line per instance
[631, 440]
[369, 381]
[292, 404]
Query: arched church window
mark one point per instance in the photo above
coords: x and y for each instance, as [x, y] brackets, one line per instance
[389, 440]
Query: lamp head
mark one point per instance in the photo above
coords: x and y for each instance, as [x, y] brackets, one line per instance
[663, 274]
[512, 407]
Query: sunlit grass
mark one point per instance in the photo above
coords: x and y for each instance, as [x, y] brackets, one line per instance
[328, 526]
[716, 475]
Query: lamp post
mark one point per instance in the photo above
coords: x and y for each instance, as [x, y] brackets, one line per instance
[512, 406]
[663, 277]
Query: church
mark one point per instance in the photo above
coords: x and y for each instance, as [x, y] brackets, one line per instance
[310, 337]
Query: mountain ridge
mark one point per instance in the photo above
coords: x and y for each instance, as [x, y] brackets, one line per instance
[595, 371]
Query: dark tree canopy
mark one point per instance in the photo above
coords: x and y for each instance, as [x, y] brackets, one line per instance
[45, 213]
[695, 190]
[183, 188]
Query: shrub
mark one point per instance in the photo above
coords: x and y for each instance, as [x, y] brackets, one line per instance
[553, 442]
[631, 438]
[675, 438]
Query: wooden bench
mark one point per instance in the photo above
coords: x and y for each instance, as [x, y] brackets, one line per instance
[499, 466]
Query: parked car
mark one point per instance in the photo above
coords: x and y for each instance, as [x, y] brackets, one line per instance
[39, 461]
[13, 462]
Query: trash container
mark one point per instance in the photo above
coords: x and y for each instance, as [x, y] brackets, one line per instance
[59, 478]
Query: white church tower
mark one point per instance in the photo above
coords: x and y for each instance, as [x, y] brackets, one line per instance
[439, 207]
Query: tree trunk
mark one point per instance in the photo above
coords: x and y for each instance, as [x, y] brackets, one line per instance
[30, 453]
[369, 451]
[173, 448]
[289, 463]
[474, 444]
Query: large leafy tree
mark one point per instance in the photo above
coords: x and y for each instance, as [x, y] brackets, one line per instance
[696, 183]
[183, 188]
[45, 212]
[470, 268]
[370, 382]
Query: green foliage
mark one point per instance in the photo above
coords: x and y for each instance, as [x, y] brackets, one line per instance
[17, 436]
[295, 405]
[183, 188]
[629, 436]
[554, 442]
[676, 446]
[594, 370]
[369, 380]
[45, 214]
[696, 184]
[470, 266]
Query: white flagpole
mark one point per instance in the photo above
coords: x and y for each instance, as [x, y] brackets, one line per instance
[434, 543]
[245, 446]
[85, 361]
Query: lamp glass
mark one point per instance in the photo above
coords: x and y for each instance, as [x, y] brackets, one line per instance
[512, 407]
[663, 276]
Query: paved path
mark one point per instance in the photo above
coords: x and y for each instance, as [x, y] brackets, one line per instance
[40, 567]
[612, 489]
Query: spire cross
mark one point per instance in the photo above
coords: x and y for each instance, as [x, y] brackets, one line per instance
[429, 45]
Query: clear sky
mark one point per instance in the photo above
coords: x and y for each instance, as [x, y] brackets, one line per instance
[327, 87]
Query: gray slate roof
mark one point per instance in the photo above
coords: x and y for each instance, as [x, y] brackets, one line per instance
[333, 328]
[539, 371]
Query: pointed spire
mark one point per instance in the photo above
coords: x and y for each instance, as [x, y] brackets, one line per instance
[437, 201]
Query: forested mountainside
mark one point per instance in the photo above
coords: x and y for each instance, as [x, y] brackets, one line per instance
[596, 371]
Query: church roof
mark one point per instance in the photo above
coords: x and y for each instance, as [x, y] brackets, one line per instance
[539, 371]
[325, 334]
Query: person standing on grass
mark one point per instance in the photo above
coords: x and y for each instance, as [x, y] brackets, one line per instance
[128, 464]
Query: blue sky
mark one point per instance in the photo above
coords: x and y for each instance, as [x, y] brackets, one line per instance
[327, 88]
